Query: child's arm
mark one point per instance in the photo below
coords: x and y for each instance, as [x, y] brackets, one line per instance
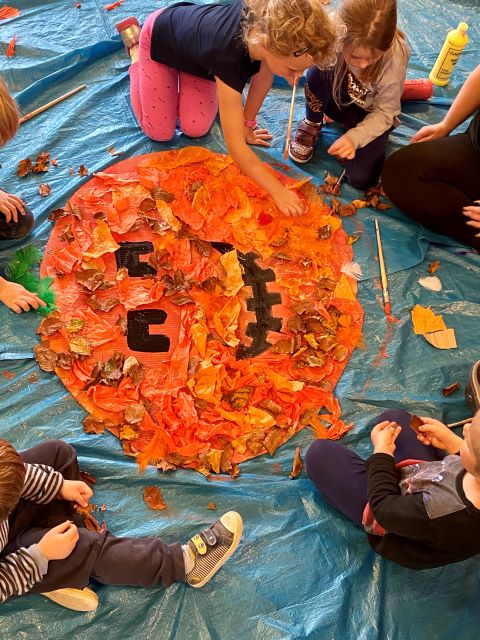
[387, 103]
[42, 483]
[260, 85]
[10, 205]
[438, 435]
[232, 119]
[17, 298]
[21, 569]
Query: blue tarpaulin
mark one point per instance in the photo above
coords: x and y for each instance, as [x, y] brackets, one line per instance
[302, 570]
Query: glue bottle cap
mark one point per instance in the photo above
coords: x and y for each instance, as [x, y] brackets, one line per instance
[463, 26]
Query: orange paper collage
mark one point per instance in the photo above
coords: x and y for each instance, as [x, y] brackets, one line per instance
[244, 320]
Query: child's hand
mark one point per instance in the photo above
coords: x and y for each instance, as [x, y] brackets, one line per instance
[59, 542]
[383, 437]
[17, 298]
[10, 206]
[343, 148]
[288, 202]
[76, 491]
[473, 212]
[438, 435]
[259, 137]
[430, 132]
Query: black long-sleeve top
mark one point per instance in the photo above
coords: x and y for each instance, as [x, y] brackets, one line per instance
[423, 507]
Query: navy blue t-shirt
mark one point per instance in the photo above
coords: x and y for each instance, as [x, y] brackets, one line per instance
[205, 41]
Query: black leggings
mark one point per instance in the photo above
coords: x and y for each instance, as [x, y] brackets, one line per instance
[432, 181]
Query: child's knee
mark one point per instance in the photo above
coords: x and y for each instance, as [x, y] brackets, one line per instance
[64, 452]
[195, 129]
[157, 132]
[318, 451]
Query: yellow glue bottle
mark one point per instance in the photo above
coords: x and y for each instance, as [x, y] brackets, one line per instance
[453, 46]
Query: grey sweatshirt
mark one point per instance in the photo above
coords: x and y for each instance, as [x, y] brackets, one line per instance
[380, 98]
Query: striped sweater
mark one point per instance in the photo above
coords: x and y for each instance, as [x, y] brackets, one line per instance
[21, 569]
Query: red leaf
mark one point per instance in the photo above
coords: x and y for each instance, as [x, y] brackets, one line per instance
[8, 12]
[114, 5]
[11, 47]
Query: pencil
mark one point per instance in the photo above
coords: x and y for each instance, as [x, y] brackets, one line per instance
[383, 274]
[52, 103]
[290, 120]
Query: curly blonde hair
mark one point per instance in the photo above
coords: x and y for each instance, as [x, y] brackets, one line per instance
[9, 116]
[294, 27]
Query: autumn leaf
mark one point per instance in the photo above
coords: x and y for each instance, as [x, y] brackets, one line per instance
[451, 388]
[11, 47]
[90, 522]
[88, 477]
[212, 506]
[8, 12]
[42, 162]
[297, 465]
[46, 358]
[434, 266]
[82, 170]
[92, 425]
[24, 167]
[113, 5]
[44, 189]
[415, 423]
[153, 498]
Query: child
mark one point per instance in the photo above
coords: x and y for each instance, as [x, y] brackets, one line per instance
[16, 220]
[43, 551]
[191, 59]
[437, 182]
[425, 513]
[362, 92]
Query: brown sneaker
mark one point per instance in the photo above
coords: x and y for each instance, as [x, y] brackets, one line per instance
[212, 547]
[303, 145]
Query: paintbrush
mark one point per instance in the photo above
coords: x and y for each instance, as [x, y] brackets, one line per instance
[383, 274]
[460, 423]
[52, 103]
[290, 120]
[338, 183]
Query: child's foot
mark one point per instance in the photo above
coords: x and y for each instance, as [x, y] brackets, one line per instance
[129, 30]
[75, 599]
[303, 145]
[207, 551]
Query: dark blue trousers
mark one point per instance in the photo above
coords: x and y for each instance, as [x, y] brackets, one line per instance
[364, 170]
[340, 474]
[142, 562]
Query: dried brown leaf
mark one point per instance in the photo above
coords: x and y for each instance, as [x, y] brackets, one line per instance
[451, 388]
[88, 477]
[297, 465]
[92, 425]
[415, 423]
[24, 167]
[434, 266]
[46, 358]
[153, 498]
[44, 189]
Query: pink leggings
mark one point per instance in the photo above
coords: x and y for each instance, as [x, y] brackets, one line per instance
[160, 95]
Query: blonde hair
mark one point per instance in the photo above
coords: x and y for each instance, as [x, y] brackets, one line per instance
[294, 27]
[9, 116]
[12, 477]
[371, 24]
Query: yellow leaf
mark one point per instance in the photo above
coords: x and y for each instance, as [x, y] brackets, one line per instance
[425, 321]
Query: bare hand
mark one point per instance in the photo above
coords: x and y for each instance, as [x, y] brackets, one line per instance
[17, 298]
[430, 132]
[59, 542]
[343, 148]
[288, 202]
[473, 212]
[76, 491]
[383, 437]
[259, 137]
[438, 435]
[10, 206]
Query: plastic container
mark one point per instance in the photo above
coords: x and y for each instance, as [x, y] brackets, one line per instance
[453, 46]
[418, 89]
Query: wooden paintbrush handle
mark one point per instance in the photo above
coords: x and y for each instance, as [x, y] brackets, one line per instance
[52, 103]
[290, 120]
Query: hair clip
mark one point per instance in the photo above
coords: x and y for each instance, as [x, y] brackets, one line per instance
[300, 52]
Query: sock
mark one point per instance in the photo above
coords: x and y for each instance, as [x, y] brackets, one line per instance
[188, 558]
